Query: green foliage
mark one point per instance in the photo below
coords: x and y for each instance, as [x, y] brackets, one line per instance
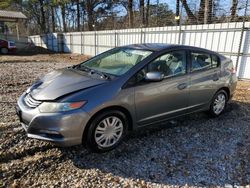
[5, 4]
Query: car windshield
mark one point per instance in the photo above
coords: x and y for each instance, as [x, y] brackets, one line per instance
[117, 61]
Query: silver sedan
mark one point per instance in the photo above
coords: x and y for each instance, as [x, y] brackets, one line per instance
[98, 101]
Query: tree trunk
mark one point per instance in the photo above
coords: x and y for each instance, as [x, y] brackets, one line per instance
[78, 15]
[53, 19]
[201, 12]
[142, 15]
[63, 18]
[233, 9]
[43, 26]
[147, 12]
[191, 16]
[89, 9]
[82, 15]
[208, 12]
[130, 13]
[177, 12]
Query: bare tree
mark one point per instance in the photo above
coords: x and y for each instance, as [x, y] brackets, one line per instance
[208, 11]
[201, 11]
[43, 22]
[142, 14]
[177, 12]
[78, 15]
[89, 10]
[190, 14]
[147, 12]
[233, 9]
[63, 17]
[53, 19]
[130, 13]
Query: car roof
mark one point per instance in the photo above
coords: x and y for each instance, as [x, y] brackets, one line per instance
[163, 46]
[3, 40]
[150, 46]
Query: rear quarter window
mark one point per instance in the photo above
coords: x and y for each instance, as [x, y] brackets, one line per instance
[215, 61]
[200, 61]
[204, 61]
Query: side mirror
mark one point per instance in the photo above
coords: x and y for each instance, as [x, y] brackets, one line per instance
[154, 76]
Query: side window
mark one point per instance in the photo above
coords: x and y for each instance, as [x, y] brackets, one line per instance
[200, 61]
[215, 61]
[170, 64]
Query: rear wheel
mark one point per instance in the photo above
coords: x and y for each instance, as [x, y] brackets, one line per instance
[4, 50]
[218, 103]
[106, 131]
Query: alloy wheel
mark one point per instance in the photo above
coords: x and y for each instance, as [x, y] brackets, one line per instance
[219, 103]
[109, 131]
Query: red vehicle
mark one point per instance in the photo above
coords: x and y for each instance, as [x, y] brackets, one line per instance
[7, 47]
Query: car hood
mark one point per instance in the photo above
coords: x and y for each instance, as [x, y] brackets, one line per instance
[62, 82]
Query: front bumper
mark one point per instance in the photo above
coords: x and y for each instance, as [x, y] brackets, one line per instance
[64, 128]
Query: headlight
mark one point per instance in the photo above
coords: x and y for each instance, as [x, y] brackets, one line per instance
[60, 107]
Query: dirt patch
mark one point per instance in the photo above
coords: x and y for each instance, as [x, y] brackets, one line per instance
[39, 54]
[194, 150]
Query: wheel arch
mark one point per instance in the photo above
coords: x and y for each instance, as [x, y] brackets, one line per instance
[120, 108]
[227, 90]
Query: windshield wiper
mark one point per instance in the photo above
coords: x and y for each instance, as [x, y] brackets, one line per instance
[91, 71]
[103, 75]
[81, 67]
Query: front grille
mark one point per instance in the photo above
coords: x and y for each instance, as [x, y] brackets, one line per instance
[30, 102]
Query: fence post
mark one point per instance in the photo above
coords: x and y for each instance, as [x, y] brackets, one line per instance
[95, 42]
[70, 43]
[59, 42]
[41, 40]
[141, 35]
[81, 43]
[63, 39]
[47, 40]
[115, 39]
[180, 33]
[241, 37]
[52, 42]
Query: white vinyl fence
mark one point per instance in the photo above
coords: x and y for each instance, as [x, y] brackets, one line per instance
[230, 39]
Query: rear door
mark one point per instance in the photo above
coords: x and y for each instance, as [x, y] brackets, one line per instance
[204, 76]
[158, 101]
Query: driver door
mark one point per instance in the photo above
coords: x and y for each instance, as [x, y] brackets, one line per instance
[158, 101]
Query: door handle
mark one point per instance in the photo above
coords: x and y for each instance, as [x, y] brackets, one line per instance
[182, 86]
[215, 77]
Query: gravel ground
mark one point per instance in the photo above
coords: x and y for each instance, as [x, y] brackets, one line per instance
[192, 151]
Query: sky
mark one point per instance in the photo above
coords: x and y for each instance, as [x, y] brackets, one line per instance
[194, 4]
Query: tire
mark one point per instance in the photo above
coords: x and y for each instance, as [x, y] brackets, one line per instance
[219, 103]
[4, 50]
[102, 136]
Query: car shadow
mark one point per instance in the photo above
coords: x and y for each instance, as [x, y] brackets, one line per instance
[193, 150]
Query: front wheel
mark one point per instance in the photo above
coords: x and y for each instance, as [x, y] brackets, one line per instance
[218, 103]
[4, 50]
[106, 131]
